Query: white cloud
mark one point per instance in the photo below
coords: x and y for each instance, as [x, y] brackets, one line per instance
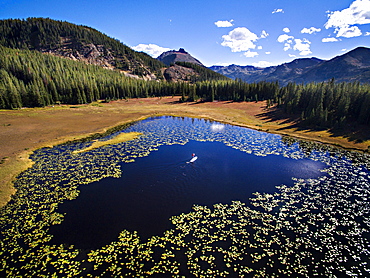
[262, 64]
[224, 23]
[240, 39]
[287, 39]
[286, 30]
[367, 34]
[349, 32]
[223, 64]
[303, 46]
[292, 56]
[310, 30]
[278, 11]
[268, 52]
[250, 54]
[287, 46]
[284, 37]
[358, 13]
[151, 49]
[344, 49]
[329, 40]
[264, 34]
[259, 47]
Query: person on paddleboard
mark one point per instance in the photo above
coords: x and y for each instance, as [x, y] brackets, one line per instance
[193, 158]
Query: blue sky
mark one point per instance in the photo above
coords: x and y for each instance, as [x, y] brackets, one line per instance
[242, 32]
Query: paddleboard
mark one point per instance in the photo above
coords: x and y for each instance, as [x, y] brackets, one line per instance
[193, 159]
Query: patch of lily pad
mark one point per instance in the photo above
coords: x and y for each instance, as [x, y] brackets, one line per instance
[317, 227]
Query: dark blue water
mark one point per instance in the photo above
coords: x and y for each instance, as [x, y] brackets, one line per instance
[163, 184]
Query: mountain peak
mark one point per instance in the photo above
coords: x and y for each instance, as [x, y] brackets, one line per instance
[173, 56]
[357, 57]
[351, 66]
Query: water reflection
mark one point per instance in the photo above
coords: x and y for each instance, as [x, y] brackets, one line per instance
[156, 187]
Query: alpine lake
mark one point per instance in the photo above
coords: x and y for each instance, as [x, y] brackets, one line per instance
[253, 204]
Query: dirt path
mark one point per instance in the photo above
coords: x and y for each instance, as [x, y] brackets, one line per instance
[25, 130]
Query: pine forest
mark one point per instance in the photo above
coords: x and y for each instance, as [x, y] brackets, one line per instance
[32, 79]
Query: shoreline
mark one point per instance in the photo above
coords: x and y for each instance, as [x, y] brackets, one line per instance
[50, 126]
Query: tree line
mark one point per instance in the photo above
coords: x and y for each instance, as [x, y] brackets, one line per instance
[327, 104]
[45, 34]
[203, 73]
[32, 79]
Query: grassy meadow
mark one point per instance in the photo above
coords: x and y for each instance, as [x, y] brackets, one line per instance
[24, 130]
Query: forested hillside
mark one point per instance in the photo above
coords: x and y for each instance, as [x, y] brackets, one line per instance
[87, 45]
[30, 78]
[76, 42]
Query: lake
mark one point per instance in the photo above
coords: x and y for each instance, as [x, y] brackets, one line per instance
[253, 203]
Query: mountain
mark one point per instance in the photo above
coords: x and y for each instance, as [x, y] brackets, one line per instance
[186, 71]
[173, 56]
[351, 66]
[85, 44]
[184, 67]
[247, 73]
[77, 42]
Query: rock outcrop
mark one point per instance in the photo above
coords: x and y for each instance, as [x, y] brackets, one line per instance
[173, 56]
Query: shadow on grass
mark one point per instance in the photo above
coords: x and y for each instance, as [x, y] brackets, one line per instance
[352, 131]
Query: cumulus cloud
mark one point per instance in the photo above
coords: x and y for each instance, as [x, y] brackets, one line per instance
[303, 46]
[268, 52]
[224, 23]
[287, 46]
[329, 40]
[240, 39]
[151, 49]
[310, 31]
[278, 11]
[250, 54]
[264, 34]
[262, 64]
[367, 34]
[287, 40]
[349, 32]
[286, 30]
[285, 37]
[343, 21]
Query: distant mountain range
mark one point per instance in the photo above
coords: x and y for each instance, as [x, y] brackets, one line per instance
[351, 66]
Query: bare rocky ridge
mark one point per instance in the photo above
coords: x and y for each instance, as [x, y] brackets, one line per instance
[98, 55]
[88, 53]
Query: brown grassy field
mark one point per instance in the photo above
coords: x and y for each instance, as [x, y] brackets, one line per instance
[25, 130]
